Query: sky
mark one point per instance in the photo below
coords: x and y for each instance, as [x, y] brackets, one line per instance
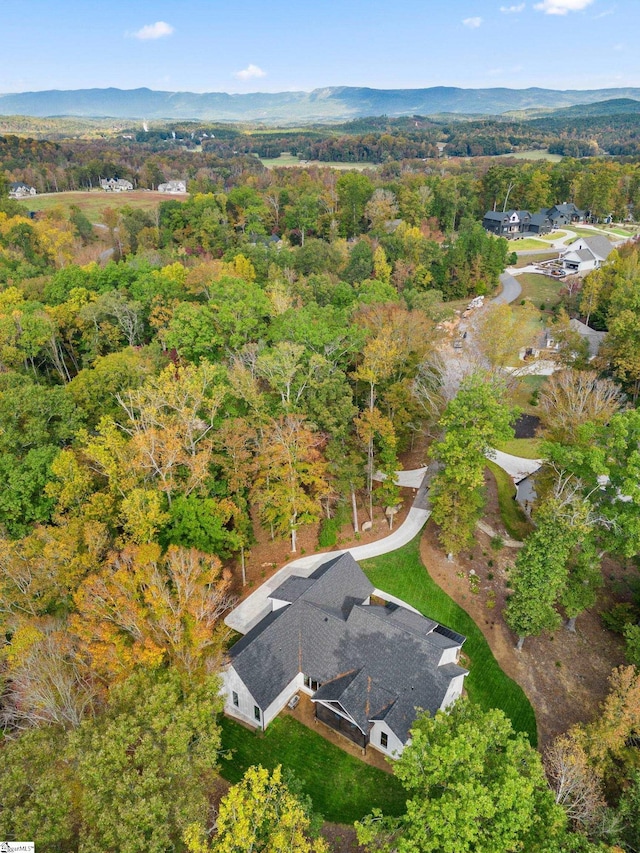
[275, 46]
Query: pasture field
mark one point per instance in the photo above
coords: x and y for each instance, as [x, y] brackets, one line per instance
[540, 289]
[287, 159]
[93, 202]
[534, 154]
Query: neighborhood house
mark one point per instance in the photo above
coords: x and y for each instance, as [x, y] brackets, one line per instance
[515, 224]
[173, 187]
[366, 666]
[116, 185]
[18, 189]
[586, 254]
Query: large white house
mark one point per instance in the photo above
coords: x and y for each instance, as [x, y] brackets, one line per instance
[366, 666]
[18, 189]
[116, 185]
[586, 254]
[173, 187]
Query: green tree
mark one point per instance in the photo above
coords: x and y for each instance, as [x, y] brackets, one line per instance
[472, 785]
[473, 422]
[259, 814]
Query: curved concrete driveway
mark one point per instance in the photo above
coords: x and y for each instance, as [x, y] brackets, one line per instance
[510, 289]
[254, 608]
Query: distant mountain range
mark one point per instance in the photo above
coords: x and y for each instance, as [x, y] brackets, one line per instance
[337, 103]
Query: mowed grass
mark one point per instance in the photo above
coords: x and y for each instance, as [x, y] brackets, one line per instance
[513, 518]
[342, 788]
[592, 232]
[555, 235]
[523, 394]
[528, 243]
[289, 160]
[540, 289]
[93, 203]
[403, 574]
[527, 448]
[525, 259]
[534, 154]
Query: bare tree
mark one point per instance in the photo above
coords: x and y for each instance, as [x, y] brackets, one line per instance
[576, 785]
[572, 398]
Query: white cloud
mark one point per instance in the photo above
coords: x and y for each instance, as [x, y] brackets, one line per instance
[562, 7]
[251, 72]
[472, 23]
[512, 10]
[154, 31]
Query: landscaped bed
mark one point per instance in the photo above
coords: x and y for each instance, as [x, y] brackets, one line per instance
[342, 788]
[403, 574]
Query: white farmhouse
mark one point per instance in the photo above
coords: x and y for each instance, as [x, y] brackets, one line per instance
[366, 666]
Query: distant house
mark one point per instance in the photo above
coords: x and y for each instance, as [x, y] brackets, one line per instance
[18, 189]
[514, 224]
[585, 254]
[510, 223]
[366, 666]
[116, 185]
[173, 187]
[564, 214]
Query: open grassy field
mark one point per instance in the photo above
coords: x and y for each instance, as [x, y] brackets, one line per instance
[93, 202]
[540, 289]
[286, 159]
[342, 788]
[534, 154]
[525, 393]
[403, 574]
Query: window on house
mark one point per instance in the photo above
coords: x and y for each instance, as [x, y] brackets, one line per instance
[311, 683]
[234, 699]
[256, 712]
[384, 740]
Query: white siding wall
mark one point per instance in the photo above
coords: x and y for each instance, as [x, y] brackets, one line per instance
[450, 656]
[231, 681]
[454, 691]
[281, 700]
[394, 744]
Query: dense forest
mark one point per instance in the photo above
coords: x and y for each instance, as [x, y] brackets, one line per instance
[249, 359]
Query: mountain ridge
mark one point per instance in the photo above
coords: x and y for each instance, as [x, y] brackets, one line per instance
[332, 103]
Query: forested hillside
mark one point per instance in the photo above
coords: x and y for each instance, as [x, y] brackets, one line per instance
[243, 361]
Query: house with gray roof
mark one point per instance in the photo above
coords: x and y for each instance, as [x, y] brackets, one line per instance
[367, 665]
[564, 214]
[586, 254]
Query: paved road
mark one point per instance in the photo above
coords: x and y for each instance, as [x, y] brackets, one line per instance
[254, 608]
[510, 289]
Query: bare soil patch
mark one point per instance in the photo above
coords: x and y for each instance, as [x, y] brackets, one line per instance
[563, 674]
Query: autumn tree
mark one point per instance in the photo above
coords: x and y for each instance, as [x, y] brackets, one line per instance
[292, 477]
[150, 608]
[571, 398]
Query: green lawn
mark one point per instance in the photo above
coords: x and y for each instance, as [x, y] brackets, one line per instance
[556, 235]
[93, 203]
[342, 788]
[534, 154]
[513, 518]
[522, 395]
[527, 448]
[590, 232]
[402, 574]
[540, 289]
[528, 243]
[286, 159]
[525, 259]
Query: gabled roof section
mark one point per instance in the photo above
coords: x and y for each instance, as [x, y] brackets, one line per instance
[599, 245]
[292, 589]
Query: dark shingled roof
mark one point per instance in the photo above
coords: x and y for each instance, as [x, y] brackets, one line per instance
[375, 661]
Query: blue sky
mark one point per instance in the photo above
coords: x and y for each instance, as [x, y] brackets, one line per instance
[271, 45]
